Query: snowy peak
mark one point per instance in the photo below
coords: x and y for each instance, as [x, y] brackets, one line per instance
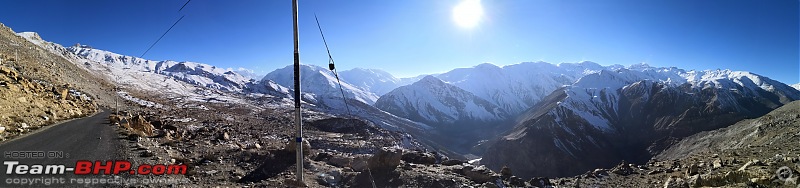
[33, 37]
[194, 73]
[321, 83]
[517, 87]
[796, 86]
[612, 115]
[435, 102]
[373, 80]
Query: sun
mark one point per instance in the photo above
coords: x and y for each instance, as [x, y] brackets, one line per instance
[468, 13]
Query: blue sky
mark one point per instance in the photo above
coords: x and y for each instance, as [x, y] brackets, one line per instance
[411, 37]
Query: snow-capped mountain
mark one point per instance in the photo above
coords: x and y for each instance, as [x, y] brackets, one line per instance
[629, 114]
[517, 87]
[194, 73]
[372, 80]
[796, 86]
[435, 102]
[321, 83]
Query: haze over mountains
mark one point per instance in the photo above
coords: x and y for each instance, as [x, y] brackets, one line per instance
[535, 116]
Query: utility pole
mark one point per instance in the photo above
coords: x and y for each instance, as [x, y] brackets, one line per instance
[298, 123]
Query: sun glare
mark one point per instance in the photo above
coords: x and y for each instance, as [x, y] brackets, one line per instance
[468, 13]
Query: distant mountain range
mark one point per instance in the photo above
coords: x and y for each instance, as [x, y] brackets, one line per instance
[629, 114]
[541, 119]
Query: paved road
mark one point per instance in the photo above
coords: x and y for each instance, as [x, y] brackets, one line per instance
[91, 138]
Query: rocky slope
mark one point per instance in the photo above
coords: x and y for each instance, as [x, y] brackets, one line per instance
[629, 114]
[759, 152]
[40, 87]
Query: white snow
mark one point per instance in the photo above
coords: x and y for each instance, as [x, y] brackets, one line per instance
[436, 101]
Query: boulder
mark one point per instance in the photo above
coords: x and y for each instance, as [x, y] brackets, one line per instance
[622, 169]
[419, 158]
[323, 156]
[292, 145]
[138, 124]
[359, 163]
[452, 162]
[331, 178]
[675, 182]
[479, 174]
[516, 181]
[692, 170]
[505, 172]
[716, 164]
[386, 159]
[540, 182]
[339, 161]
[2, 129]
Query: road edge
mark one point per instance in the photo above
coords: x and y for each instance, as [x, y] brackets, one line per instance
[43, 128]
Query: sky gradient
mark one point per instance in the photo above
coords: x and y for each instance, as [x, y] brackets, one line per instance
[412, 37]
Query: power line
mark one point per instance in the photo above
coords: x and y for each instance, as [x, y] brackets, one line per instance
[162, 36]
[331, 66]
[184, 5]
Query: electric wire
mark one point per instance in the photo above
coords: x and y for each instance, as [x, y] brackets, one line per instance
[332, 67]
[162, 36]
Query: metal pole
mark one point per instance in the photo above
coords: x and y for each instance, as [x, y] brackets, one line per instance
[298, 124]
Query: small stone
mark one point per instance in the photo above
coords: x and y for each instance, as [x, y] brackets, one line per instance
[23, 125]
[692, 170]
[224, 136]
[716, 164]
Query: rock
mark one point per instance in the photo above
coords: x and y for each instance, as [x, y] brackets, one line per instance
[147, 153]
[540, 182]
[489, 185]
[385, 159]
[505, 172]
[750, 163]
[359, 163]
[516, 181]
[331, 178]
[138, 124]
[654, 172]
[675, 182]
[419, 158]
[64, 93]
[2, 129]
[339, 161]
[323, 156]
[480, 174]
[306, 147]
[622, 169]
[600, 172]
[23, 125]
[694, 181]
[692, 170]
[224, 136]
[716, 164]
[257, 146]
[452, 162]
[22, 100]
